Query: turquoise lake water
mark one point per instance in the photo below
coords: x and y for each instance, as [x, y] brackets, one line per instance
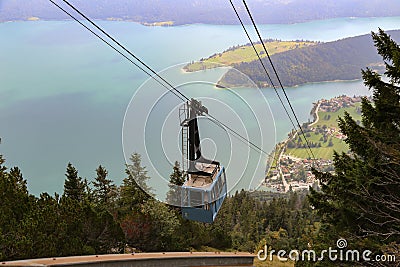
[64, 95]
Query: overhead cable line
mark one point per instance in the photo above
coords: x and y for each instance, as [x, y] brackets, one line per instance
[125, 49]
[263, 65]
[251, 144]
[172, 89]
[275, 72]
[113, 47]
[277, 76]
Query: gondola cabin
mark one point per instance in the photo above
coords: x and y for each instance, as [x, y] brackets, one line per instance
[203, 195]
[205, 188]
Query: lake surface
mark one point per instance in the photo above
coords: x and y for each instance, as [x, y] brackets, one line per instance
[64, 95]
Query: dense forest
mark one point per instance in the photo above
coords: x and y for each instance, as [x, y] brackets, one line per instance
[100, 217]
[204, 11]
[339, 60]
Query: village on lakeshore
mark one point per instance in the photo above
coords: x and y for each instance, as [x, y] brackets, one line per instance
[290, 168]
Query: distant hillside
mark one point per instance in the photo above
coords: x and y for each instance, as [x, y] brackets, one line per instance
[339, 60]
[203, 11]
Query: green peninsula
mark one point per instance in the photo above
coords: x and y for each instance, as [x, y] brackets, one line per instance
[297, 62]
[245, 53]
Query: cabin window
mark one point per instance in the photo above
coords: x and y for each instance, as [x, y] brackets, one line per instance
[196, 198]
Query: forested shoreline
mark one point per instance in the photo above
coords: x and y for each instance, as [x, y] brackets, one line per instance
[338, 60]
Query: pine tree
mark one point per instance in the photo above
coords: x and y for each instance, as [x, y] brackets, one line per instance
[74, 187]
[361, 200]
[15, 204]
[176, 179]
[176, 176]
[134, 190]
[104, 189]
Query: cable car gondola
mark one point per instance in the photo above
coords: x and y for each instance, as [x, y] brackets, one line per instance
[205, 188]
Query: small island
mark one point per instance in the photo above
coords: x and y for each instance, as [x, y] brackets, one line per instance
[158, 23]
[33, 19]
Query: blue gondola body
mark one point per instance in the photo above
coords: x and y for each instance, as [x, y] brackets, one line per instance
[203, 203]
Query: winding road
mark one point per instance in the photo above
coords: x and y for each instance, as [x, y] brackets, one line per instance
[316, 114]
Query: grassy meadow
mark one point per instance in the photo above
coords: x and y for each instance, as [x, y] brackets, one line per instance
[323, 152]
[330, 120]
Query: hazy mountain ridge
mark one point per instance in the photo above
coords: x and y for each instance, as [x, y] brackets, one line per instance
[202, 11]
